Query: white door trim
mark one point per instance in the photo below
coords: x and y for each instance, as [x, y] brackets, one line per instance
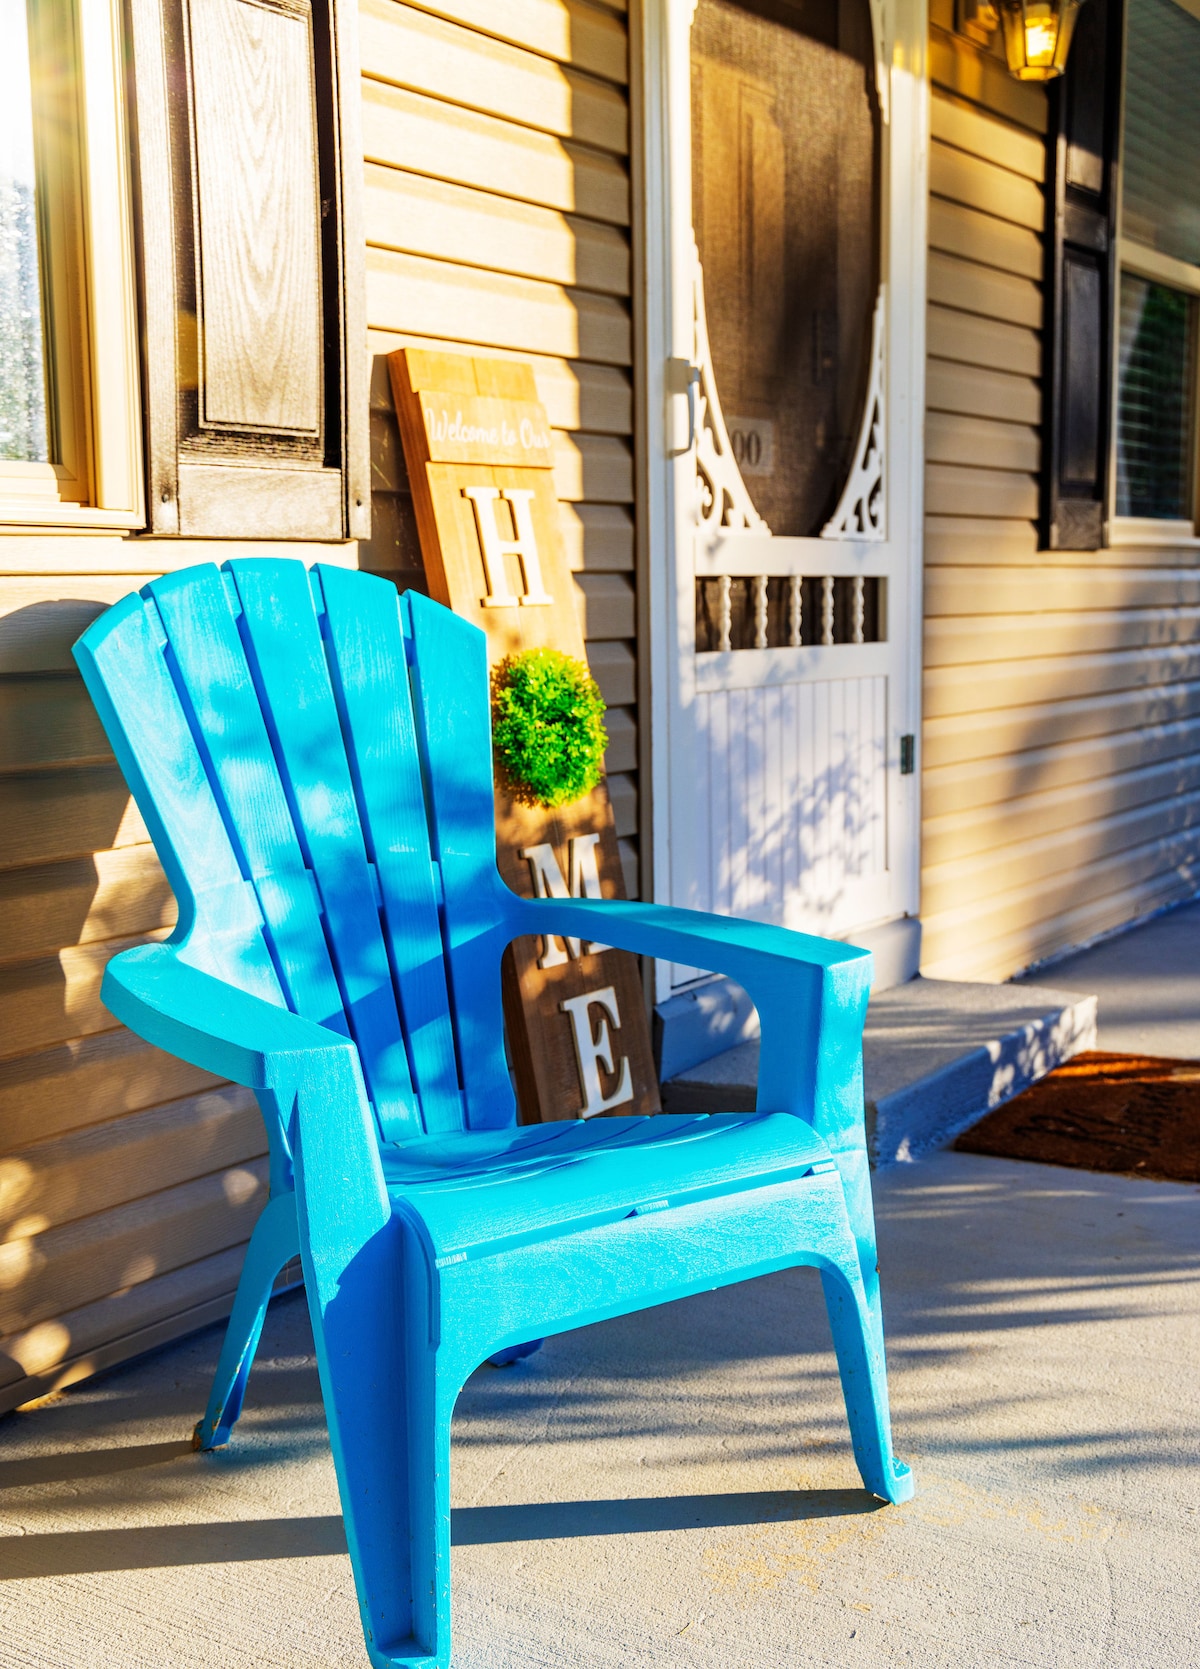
[669, 511]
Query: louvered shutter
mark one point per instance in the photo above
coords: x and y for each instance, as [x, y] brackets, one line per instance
[1081, 192]
[249, 182]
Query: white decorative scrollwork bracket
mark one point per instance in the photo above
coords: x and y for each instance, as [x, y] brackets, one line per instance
[724, 501]
[861, 510]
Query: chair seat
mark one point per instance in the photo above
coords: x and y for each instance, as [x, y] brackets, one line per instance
[484, 1191]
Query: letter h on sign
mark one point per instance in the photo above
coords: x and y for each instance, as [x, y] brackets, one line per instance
[495, 548]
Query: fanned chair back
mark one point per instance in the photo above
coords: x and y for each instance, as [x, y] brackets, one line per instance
[264, 718]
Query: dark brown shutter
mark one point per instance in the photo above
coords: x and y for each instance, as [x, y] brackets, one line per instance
[1081, 193]
[249, 169]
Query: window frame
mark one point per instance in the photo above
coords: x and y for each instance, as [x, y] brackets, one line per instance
[89, 279]
[1145, 262]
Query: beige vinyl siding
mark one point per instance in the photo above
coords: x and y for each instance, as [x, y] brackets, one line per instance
[1061, 761]
[497, 199]
[129, 1181]
[497, 216]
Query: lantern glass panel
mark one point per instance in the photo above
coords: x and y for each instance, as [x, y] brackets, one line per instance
[1037, 36]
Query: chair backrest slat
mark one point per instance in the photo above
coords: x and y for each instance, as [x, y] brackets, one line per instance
[282, 638]
[199, 616]
[450, 698]
[122, 661]
[368, 663]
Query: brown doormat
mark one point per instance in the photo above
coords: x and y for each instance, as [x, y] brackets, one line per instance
[1099, 1112]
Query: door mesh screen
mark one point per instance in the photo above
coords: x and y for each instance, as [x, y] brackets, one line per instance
[785, 189]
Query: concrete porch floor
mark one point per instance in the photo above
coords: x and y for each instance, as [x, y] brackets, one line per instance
[1148, 984]
[676, 1488]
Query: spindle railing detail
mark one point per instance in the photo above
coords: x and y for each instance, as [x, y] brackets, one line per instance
[786, 611]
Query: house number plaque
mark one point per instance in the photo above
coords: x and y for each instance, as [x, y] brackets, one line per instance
[480, 463]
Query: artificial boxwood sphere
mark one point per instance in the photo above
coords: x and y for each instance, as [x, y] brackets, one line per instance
[547, 727]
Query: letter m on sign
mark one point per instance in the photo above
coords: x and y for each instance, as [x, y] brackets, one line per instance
[550, 882]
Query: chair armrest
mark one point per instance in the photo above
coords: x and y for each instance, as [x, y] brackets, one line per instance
[312, 1075]
[811, 996]
[212, 1024]
[348, 1242]
[750, 948]
[810, 993]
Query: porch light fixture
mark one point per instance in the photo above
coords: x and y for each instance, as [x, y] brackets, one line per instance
[1037, 33]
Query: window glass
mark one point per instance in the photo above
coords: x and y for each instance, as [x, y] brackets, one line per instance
[1155, 397]
[1161, 164]
[785, 192]
[22, 349]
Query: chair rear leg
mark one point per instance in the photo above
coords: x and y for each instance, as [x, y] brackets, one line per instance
[857, 1328]
[274, 1242]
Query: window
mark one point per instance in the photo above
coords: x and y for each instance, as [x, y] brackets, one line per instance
[23, 435]
[1160, 266]
[1155, 398]
[70, 449]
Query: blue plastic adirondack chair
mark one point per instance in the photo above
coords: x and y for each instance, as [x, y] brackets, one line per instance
[312, 756]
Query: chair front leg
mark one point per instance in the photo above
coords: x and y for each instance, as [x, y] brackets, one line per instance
[389, 1397]
[274, 1243]
[857, 1327]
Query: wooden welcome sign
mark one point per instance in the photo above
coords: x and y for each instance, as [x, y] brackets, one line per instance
[480, 463]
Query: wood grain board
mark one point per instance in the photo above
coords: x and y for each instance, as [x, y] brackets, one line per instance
[256, 167]
[65, 1177]
[438, 298]
[570, 32]
[251, 245]
[575, 393]
[450, 222]
[480, 458]
[91, 1336]
[92, 1257]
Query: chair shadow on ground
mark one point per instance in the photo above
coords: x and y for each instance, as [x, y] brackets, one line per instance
[68, 1466]
[89, 1552]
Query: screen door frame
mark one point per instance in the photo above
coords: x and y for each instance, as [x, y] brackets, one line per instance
[669, 512]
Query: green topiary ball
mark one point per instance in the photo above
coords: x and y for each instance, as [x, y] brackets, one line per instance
[547, 727]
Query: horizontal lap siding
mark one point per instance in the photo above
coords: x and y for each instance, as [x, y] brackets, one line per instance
[497, 213]
[1061, 772]
[129, 1181]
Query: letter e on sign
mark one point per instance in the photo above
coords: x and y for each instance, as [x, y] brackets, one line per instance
[595, 1049]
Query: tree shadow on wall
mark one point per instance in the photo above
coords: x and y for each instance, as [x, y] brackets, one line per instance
[783, 839]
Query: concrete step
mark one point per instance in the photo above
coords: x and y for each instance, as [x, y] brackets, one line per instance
[937, 1055]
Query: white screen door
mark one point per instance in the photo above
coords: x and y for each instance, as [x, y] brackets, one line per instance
[785, 248]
